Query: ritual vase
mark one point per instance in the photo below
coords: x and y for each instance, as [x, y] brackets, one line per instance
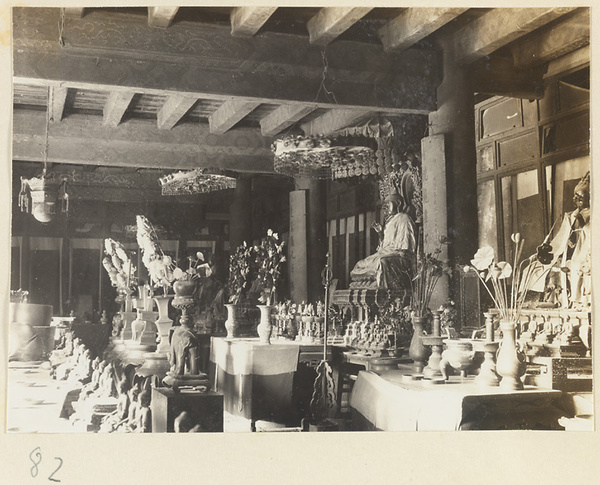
[163, 323]
[418, 352]
[231, 324]
[265, 325]
[184, 288]
[510, 360]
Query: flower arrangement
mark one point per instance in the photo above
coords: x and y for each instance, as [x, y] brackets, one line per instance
[117, 264]
[508, 285]
[269, 258]
[160, 266]
[428, 270]
[197, 269]
[240, 272]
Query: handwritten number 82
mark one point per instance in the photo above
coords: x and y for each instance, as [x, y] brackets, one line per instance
[36, 458]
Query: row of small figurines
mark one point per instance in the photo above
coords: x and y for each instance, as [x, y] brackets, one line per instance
[370, 337]
[303, 328]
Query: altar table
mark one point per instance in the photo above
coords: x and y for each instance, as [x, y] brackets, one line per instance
[387, 402]
[255, 379]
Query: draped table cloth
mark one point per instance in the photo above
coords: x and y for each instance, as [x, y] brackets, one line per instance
[256, 379]
[385, 401]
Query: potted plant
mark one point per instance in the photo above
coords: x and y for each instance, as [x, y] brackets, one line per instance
[185, 281]
[427, 271]
[269, 259]
[241, 273]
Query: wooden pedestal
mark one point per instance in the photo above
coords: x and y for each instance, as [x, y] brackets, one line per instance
[205, 409]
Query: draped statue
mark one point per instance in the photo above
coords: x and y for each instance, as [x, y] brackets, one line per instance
[391, 265]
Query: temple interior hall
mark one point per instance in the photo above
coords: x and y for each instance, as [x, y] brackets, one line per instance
[299, 219]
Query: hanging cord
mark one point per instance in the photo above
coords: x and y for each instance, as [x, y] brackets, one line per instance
[323, 86]
[61, 28]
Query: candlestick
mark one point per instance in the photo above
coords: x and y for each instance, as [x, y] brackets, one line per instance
[489, 327]
[436, 324]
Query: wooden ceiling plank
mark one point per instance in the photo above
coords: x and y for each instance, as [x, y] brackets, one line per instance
[331, 22]
[115, 107]
[57, 97]
[283, 117]
[175, 107]
[82, 139]
[413, 25]
[499, 27]
[246, 21]
[161, 16]
[564, 37]
[333, 121]
[230, 113]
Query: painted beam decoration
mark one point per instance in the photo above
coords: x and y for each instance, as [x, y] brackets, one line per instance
[195, 182]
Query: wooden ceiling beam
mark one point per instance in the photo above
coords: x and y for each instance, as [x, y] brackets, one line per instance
[333, 121]
[161, 16]
[83, 139]
[564, 37]
[175, 107]
[498, 76]
[207, 62]
[331, 22]
[413, 25]
[57, 97]
[499, 27]
[115, 107]
[230, 113]
[283, 117]
[246, 21]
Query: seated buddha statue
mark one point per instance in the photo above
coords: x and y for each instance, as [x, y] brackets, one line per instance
[391, 265]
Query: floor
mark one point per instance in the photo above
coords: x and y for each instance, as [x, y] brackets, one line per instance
[35, 401]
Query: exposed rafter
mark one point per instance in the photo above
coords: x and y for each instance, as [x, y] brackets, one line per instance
[115, 107]
[230, 113]
[413, 25]
[562, 38]
[333, 121]
[498, 28]
[173, 110]
[246, 21]
[283, 117]
[330, 22]
[161, 16]
[206, 62]
[57, 97]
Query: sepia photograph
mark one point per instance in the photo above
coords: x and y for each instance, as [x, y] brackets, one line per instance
[266, 220]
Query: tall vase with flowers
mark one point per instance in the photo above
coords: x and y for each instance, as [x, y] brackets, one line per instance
[508, 287]
[241, 273]
[427, 272]
[269, 260]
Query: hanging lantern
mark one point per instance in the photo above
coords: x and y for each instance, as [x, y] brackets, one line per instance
[41, 195]
[323, 157]
[195, 181]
